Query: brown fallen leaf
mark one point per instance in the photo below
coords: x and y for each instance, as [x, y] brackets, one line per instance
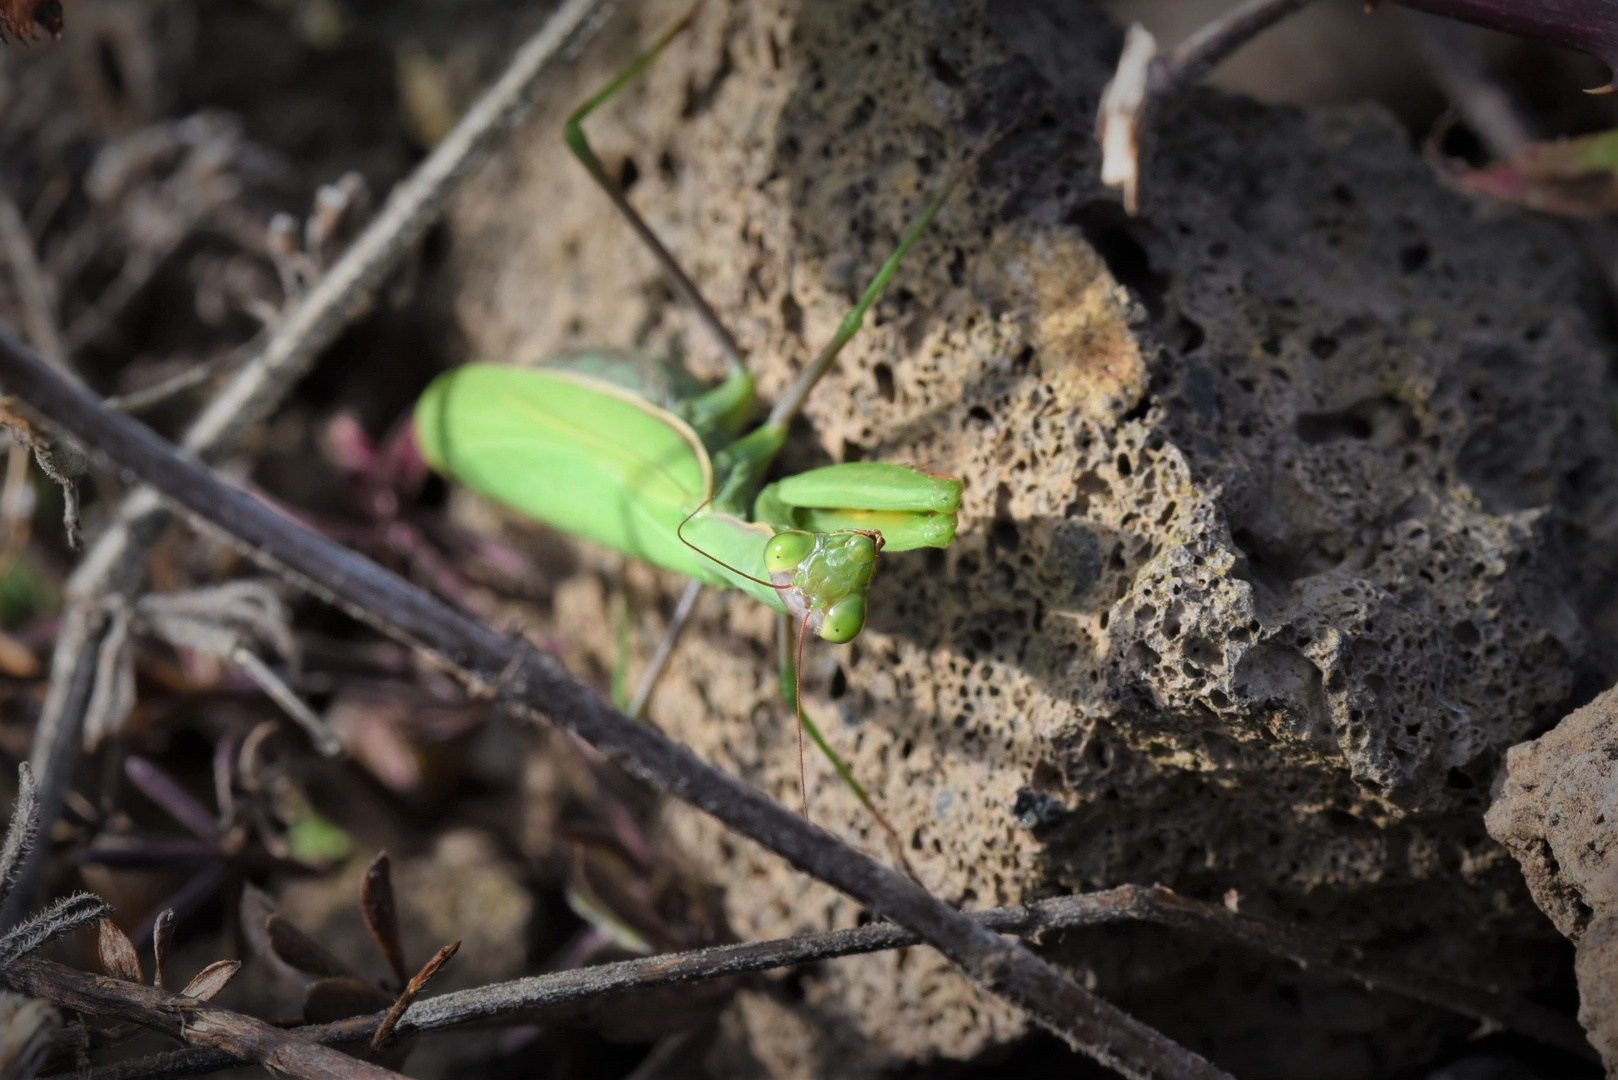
[117, 952]
[16, 659]
[19, 17]
[211, 979]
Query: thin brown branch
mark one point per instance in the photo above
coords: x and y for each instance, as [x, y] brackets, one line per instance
[535, 686]
[525, 1000]
[190, 1021]
[1195, 58]
[115, 564]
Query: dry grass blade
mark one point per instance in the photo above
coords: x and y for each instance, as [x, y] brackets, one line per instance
[117, 953]
[384, 1033]
[24, 823]
[63, 917]
[162, 934]
[207, 983]
[166, 792]
[381, 913]
[304, 952]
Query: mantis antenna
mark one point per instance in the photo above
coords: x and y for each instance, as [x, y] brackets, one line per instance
[679, 532]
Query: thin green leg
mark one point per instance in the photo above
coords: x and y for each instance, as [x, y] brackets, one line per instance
[573, 133]
[792, 401]
[623, 648]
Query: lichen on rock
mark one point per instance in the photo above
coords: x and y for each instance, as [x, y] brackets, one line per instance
[1271, 542]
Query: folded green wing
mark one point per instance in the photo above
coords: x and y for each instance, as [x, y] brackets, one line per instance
[579, 454]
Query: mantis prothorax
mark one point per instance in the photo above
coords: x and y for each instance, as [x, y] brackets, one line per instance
[637, 455]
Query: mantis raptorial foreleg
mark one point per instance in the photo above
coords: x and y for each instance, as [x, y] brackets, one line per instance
[633, 454]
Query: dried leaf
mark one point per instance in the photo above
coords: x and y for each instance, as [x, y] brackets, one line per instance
[211, 979]
[255, 910]
[162, 934]
[1118, 121]
[381, 913]
[1587, 27]
[28, 1027]
[384, 1032]
[1574, 177]
[330, 1000]
[304, 952]
[117, 953]
[58, 456]
[16, 659]
[19, 17]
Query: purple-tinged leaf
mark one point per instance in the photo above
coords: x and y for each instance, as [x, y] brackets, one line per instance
[1589, 26]
[1572, 177]
[166, 792]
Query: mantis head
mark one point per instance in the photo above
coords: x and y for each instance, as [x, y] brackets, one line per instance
[823, 577]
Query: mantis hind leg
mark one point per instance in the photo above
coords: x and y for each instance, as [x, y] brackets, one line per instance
[789, 688]
[635, 708]
[573, 134]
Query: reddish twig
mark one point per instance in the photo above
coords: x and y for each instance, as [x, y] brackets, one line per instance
[386, 1033]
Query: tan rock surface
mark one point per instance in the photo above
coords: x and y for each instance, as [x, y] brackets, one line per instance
[1556, 813]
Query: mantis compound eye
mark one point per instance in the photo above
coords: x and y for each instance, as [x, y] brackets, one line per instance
[844, 619]
[786, 551]
[939, 530]
[947, 496]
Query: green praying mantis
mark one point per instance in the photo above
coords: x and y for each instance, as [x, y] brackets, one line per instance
[637, 455]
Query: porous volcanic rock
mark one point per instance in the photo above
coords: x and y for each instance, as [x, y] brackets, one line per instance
[1556, 813]
[1282, 517]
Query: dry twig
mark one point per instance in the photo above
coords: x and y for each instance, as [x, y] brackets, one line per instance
[525, 1000]
[534, 686]
[189, 1020]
